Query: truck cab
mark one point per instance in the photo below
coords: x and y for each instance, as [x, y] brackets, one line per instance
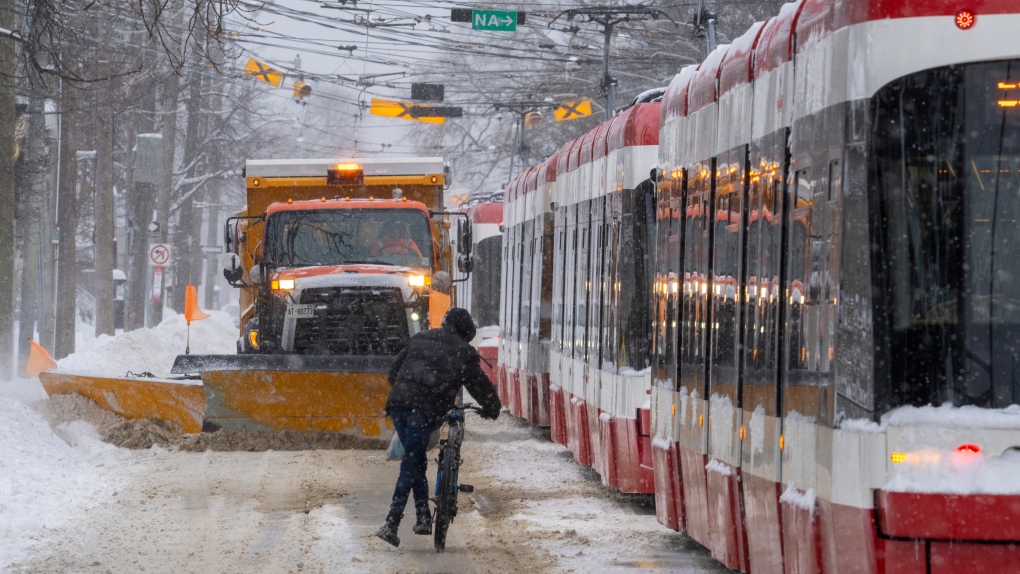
[339, 257]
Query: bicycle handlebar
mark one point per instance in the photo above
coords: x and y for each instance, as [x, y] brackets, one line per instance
[465, 407]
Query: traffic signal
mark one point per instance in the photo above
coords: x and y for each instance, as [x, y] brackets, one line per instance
[301, 91]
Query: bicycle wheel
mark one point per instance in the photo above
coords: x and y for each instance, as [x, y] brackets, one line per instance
[446, 497]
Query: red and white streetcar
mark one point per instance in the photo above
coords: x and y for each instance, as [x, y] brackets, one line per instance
[802, 332]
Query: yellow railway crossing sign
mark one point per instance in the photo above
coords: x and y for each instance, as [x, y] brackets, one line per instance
[264, 72]
[401, 110]
[572, 110]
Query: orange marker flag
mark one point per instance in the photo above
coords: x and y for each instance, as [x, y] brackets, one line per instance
[439, 304]
[38, 360]
[191, 310]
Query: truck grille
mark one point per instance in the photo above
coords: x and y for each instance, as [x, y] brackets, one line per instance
[355, 321]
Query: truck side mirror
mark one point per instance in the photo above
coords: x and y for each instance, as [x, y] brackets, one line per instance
[464, 236]
[228, 236]
[465, 263]
[232, 270]
[255, 274]
[441, 281]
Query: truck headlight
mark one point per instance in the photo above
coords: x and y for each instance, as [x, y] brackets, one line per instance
[283, 284]
[415, 316]
[418, 280]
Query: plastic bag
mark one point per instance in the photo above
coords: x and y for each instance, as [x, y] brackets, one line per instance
[396, 450]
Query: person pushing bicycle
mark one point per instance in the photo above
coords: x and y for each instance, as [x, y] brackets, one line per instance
[425, 379]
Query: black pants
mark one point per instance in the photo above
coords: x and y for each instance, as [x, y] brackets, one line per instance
[414, 430]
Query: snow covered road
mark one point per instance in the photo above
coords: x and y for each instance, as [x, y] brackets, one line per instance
[533, 510]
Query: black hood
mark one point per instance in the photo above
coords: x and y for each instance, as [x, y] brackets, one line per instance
[459, 321]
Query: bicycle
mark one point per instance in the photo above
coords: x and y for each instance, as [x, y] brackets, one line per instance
[448, 465]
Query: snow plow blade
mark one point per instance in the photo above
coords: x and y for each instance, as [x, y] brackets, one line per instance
[299, 392]
[179, 403]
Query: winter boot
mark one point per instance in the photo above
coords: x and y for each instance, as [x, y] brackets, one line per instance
[423, 524]
[388, 531]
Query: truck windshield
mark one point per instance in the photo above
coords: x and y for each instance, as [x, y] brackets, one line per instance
[946, 176]
[349, 236]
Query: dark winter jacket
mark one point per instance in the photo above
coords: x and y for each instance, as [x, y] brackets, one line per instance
[429, 372]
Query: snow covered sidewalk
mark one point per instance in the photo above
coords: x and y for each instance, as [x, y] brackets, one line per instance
[47, 476]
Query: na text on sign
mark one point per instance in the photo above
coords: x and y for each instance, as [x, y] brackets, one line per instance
[494, 20]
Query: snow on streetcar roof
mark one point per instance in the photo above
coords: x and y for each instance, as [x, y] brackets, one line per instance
[738, 66]
[674, 103]
[705, 86]
[637, 126]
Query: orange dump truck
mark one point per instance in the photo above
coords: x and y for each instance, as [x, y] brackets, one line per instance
[338, 263]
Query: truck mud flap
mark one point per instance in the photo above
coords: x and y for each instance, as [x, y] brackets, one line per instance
[176, 402]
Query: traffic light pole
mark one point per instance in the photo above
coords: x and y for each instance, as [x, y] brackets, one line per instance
[521, 109]
[608, 85]
[704, 27]
[609, 17]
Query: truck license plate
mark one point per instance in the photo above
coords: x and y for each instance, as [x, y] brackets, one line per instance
[301, 311]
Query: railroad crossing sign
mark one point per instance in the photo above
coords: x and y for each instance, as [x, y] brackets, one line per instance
[494, 20]
[264, 72]
[572, 110]
[159, 254]
[419, 112]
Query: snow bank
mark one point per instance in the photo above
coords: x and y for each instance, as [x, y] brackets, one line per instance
[798, 499]
[717, 467]
[861, 426]
[632, 372]
[957, 473]
[955, 417]
[152, 350]
[489, 342]
[46, 475]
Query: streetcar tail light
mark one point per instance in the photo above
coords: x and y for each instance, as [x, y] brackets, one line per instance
[965, 19]
[969, 448]
[898, 457]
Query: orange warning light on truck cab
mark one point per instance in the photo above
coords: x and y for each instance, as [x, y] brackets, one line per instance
[345, 174]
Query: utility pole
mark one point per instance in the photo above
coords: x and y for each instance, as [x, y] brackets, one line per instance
[168, 127]
[609, 17]
[704, 27]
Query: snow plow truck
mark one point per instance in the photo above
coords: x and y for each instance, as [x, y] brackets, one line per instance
[337, 263]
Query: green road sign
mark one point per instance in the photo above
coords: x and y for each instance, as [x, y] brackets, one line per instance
[494, 20]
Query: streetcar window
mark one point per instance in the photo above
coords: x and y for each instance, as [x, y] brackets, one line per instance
[945, 163]
[485, 281]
